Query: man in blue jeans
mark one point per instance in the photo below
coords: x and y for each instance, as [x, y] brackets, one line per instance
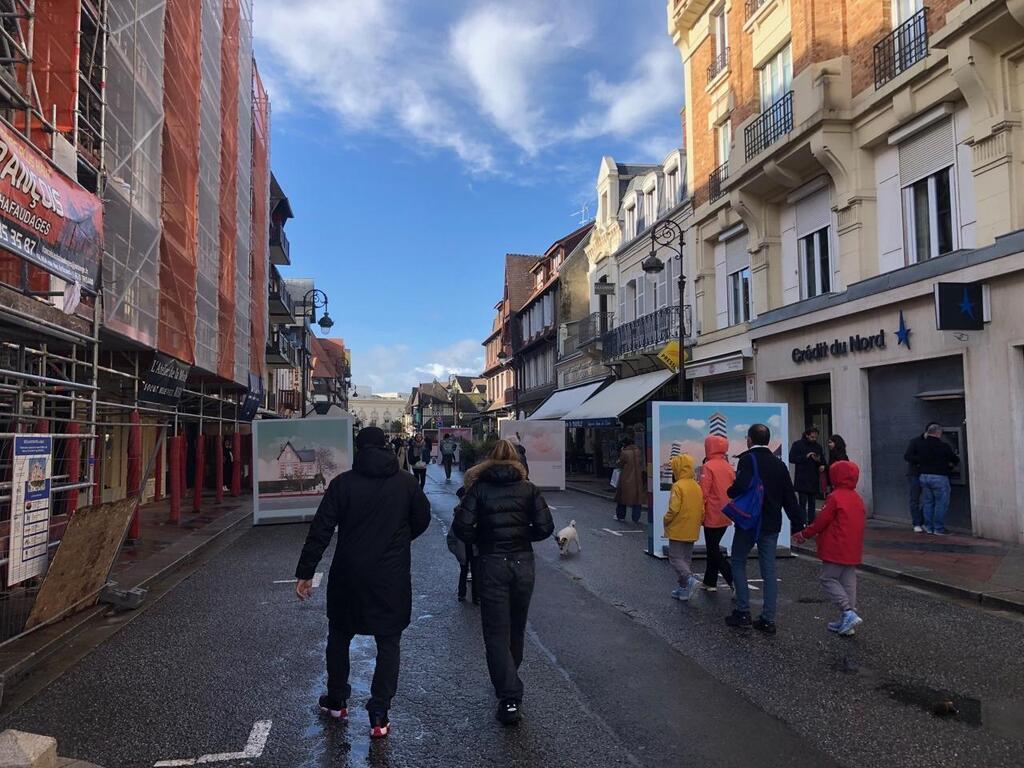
[778, 495]
[937, 461]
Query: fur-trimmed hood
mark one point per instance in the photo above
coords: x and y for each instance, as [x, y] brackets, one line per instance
[499, 472]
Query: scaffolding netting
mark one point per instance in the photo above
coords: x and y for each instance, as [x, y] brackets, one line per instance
[228, 190]
[178, 246]
[207, 347]
[243, 208]
[55, 70]
[260, 222]
[133, 138]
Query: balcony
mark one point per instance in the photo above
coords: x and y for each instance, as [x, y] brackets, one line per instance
[282, 351]
[752, 7]
[280, 251]
[716, 181]
[280, 303]
[902, 48]
[287, 400]
[774, 123]
[644, 334]
[718, 65]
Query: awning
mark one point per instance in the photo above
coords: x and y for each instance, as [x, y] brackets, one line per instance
[604, 408]
[562, 401]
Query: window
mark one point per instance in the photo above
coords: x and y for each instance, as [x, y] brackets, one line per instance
[903, 10]
[650, 206]
[739, 296]
[672, 189]
[723, 139]
[641, 288]
[815, 265]
[776, 77]
[631, 228]
[641, 218]
[929, 213]
[719, 24]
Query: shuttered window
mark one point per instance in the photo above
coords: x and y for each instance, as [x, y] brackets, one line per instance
[726, 391]
[736, 256]
[927, 152]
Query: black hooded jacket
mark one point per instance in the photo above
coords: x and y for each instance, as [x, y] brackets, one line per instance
[378, 511]
[502, 512]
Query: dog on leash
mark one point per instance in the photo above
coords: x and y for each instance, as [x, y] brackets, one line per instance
[567, 536]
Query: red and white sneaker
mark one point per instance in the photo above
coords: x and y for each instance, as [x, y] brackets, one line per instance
[335, 709]
[380, 726]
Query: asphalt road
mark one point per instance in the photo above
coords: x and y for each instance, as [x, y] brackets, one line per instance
[616, 672]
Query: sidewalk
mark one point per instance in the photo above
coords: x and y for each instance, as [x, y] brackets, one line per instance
[162, 547]
[594, 486]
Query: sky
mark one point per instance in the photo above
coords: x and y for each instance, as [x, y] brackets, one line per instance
[419, 141]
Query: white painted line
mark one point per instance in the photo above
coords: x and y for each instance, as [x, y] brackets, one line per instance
[622, 532]
[318, 578]
[286, 581]
[254, 747]
[613, 533]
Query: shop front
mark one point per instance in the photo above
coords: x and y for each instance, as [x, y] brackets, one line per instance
[879, 362]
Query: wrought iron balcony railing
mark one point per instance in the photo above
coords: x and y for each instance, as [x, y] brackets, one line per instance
[774, 123]
[718, 64]
[902, 48]
[640, 335]
[280, 250]
[716, 181]
[753, 6]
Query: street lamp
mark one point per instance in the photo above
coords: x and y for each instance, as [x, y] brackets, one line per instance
[454, 397]
[313, 300]
[668, 233]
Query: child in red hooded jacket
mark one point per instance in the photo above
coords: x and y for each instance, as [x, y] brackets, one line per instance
[840, 531]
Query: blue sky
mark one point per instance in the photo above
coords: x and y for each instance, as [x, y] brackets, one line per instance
[421, 140]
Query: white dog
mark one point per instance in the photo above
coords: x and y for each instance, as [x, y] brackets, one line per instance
[566, 536]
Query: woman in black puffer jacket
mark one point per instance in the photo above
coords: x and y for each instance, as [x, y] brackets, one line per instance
[501, 515]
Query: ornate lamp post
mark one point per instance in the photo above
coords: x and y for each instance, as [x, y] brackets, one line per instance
[669, 234]
[313, 300]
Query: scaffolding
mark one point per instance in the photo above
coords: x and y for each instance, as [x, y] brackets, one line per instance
[244, 233]
[229, 161]
[260, 224]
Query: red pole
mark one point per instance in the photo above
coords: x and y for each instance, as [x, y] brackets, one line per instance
[42, 426]
[236, 465]
[199, 473]
[74, 459]
[218, 468]
[174, 462]
[158, 474]
[134, 479]
[97, 471]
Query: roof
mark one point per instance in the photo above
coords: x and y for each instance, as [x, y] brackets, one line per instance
[323, 365]
[305, 455]
[518, 280]
[435, 390]
[473, 402]
[335, 350]
[278, 199]
[469, 383]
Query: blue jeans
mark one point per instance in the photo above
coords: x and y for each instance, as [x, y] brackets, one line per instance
[934, 501]
[914, 486]
[742, 543]
[620, 512]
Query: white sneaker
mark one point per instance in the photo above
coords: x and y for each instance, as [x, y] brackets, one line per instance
[918, 529]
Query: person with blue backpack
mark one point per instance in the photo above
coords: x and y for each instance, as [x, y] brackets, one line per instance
[762, 490]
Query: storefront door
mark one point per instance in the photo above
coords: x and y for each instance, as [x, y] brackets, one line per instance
[818, 407]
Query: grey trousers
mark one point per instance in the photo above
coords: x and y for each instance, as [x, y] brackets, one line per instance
[840, 585]
[680, 553]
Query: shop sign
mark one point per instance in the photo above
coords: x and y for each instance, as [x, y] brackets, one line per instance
[839, 347]
[604, 289]
[30, 507]
[959, 306]
[253, 398]
[165, 380]
[45, 217]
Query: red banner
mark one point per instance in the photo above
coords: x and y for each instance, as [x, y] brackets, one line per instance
[45, 217]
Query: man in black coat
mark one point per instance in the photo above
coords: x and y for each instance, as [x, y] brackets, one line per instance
[936, 461]
[912, 457]
[779, 495]
[808, 458]
[378, 511]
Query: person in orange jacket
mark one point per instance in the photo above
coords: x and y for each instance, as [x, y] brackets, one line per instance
[716, 476]
[840, 531]
[682, 524]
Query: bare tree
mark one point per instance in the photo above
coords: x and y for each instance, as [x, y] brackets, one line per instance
[325, 463]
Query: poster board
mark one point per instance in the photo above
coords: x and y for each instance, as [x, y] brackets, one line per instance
[295, 460]
[460, 434]
[32, 468]
[677, 428]
[544, 442]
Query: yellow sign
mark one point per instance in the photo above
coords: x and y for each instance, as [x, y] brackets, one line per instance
[670, 355]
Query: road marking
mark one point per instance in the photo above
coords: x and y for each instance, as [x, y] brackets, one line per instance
[613, 533]
[318, 577]
[254, 747]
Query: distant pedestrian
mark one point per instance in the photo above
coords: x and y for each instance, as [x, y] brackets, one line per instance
[418, 456]
[836, 452]
[716, 475]
[912, 457]
[448, 448]
[501, 514]
[377, 511]
[808, 458]
[937, 461]
[429, 440]
[682, 524]
[631, 490]
[778, 495]
[228, 464]
[840, 531]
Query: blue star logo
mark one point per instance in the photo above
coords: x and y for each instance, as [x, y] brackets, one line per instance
[966, 305]
[903, 332]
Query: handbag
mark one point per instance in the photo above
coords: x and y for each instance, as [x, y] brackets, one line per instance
[421, 464]
[616, 474]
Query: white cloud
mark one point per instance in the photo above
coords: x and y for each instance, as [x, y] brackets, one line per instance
[695, 423]
[775, 421]
[398, 368]
[741, 428]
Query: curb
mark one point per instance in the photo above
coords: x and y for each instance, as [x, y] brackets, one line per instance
[932, 585]
[589, 492]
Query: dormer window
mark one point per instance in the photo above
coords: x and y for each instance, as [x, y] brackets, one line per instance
[641, 214]
[631, 223]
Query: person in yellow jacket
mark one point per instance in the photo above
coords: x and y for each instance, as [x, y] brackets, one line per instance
[682, 523]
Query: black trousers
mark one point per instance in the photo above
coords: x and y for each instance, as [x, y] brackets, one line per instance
[385, 672]
[421, 475]
[807, 501]
[504, 584]
[717, 559]
[447, 462]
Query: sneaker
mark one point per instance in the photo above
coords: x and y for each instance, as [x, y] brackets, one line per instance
[620, 519]
[941, 532]
[334, 708]
[706, 588]
[508, 712]
[850, 621]
[833, 626]
[918, 529]
[738, 620]
[380, 726]
[929, 531]
[691, 586]
[762, 625]
[677, 593]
